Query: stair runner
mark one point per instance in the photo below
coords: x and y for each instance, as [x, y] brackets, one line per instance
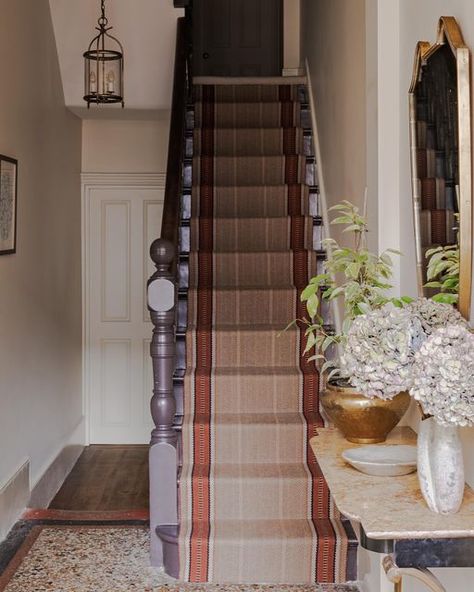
[254, 505]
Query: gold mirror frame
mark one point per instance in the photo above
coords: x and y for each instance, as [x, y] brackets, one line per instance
[450, 33]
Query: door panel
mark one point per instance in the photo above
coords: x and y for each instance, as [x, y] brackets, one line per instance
[237, 37]
[121, 224]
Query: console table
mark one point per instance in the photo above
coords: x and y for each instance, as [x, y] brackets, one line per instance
[392, 517]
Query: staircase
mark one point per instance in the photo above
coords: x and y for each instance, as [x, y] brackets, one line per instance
[253, 504]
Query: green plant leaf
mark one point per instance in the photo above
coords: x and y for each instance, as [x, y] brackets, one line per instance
[342, 220]
[446, 298]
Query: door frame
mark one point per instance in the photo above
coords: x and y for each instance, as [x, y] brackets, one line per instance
[90, 182]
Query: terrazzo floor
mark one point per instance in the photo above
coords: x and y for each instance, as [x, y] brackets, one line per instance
[66, 558]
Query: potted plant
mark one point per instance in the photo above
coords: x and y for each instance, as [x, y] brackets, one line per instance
[381, 347]
[361, 279]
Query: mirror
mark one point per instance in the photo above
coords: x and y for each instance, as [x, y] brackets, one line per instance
[440, 147]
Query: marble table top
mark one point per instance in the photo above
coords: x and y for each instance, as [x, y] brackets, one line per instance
[389, 508]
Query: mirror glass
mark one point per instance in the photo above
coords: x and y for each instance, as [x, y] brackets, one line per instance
[440, 137]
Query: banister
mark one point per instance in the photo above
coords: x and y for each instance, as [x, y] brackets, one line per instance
[162, 303]
[171, 207]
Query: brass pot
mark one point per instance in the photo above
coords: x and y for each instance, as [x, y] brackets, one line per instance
[363, 420]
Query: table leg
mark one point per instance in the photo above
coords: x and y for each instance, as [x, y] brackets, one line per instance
[395, 575]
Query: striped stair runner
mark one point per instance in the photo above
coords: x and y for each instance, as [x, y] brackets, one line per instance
[254, 505]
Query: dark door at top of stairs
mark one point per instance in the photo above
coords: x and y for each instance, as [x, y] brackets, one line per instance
[237, 37]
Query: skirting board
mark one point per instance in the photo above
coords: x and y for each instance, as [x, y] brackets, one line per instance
[14, 497]
[55, 475]
[52, 475]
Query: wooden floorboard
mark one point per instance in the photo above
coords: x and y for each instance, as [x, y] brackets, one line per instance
[106, 478]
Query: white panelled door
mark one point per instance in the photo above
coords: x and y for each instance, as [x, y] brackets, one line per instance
[120, 222]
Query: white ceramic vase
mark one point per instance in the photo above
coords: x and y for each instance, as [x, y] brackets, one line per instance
[440, 466]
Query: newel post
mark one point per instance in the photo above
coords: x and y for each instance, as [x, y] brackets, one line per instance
[163, 456]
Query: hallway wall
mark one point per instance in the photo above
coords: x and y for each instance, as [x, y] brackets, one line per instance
[130, 146]
[333, 42]
[40, 285]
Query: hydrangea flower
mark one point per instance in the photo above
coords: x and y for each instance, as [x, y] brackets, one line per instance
[380, 350]
[443, 376]
[434, 315]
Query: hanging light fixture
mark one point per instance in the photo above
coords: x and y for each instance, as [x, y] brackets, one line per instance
[104, 66]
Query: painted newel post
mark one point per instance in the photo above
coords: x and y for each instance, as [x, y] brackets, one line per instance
[163, 457]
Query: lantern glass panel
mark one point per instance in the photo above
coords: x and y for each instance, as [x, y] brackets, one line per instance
[104, 76]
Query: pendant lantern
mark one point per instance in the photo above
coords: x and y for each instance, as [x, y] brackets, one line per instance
[104, 66]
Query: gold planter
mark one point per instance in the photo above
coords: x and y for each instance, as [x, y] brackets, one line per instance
[363, 420]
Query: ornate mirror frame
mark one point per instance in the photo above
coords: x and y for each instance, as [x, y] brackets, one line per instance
[449, 35]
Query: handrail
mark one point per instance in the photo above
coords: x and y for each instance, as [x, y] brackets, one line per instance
[171, 207]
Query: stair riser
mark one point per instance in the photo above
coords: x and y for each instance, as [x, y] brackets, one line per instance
[277, 234]
[250, 93]
[234, 202]
[248, 115]
[242, 171]
[248, 349]
[261, 499]
[257, 394]
[264, 390]
[262, 560]
[250, 142]
[255, 202]
[254, 269]
[259, 443]
[247, 307]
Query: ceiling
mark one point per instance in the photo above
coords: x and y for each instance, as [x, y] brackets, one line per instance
[147, 31]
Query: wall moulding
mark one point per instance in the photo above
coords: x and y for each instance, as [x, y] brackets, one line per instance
[90, 179]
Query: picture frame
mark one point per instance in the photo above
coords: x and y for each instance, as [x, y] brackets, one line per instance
[8, 204]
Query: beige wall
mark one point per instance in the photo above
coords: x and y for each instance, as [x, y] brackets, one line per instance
[292, 64]
[333, 43]
[112, 146]
[40, 285]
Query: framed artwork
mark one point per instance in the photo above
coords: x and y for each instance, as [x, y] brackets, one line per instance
[8, 204]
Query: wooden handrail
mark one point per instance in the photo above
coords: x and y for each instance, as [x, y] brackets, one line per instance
[173, 188]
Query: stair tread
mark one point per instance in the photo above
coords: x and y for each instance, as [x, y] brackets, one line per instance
[287, 252]
[256, 129]
[287, 218]
[243, 157]
[268, 371]
[254, 328]
[255, 471]
[298, 528]
[260, 419]
[250, 288]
